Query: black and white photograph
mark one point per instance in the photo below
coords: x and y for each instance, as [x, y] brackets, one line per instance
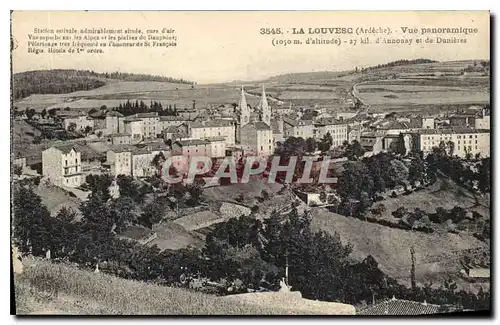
[251, 163]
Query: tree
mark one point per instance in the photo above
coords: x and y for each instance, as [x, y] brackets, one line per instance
[484, 177]
[72, 127]
[264, 195]
[123, 212]
[416, 170]
[30, 112]
[365, 202]
[52, 112]
[354, 150]
[153, 213]
[66, 215]
[129, 188]
[325, 143]
[355, 178]
[195, 191]
[87, 129]
[311, 145]
[18, 170]
[400, 212]
[99, 185]
[31, 221]
[379, 209]
[158, 161]
[398, 172]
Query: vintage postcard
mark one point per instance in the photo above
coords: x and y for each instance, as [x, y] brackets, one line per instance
[251, 162]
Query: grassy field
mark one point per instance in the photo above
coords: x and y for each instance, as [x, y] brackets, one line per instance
[391, 247]
[55, 289]
[118, 92]
[326, 89]
[174, 236]
[444, 193]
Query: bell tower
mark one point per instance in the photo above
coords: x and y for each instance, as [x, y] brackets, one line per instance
[265, 115]
[244, 110]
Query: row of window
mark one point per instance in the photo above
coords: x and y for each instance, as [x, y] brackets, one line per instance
[446, 137]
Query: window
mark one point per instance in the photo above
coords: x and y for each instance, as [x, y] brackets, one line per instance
[76, 161]
[66, 162]
[261, 148]
[270, 147]
[458, 148]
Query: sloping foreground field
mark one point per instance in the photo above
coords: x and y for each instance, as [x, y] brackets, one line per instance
[292, 300]
[391, 247]
[47, 288]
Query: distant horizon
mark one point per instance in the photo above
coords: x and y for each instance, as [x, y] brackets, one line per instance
[247, 80]
[248, 46]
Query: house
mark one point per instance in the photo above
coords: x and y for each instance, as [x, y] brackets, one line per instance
[166, 122]
[399, 307]
[142, 162]
[372, 142]
[178, 132]
[118, 138]
[336, 128]
[79, 123]
[298, 128]
[187, 113]
[135, 127]
[217, 146]
[91, 159]
[149, 124]
[278, 132]
[482, 120]
[119, 160]
[465, 140]
[213, 128]
[257, 139]
[114, 122]
[62, 165]
[463, 120]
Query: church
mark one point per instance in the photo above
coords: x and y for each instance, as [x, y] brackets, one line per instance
[254, 133]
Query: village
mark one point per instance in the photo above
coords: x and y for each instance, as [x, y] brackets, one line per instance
[383, 163]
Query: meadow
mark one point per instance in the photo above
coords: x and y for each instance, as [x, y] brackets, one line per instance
[46, 288]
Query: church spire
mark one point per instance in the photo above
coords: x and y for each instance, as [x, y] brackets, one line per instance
[244, 111]
[243, 101]
[264, 107]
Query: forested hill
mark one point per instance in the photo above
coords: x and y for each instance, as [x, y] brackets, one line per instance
[60, 81]
[399, 63]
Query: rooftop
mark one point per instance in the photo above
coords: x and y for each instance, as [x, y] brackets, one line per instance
[452, 131]
[114, 113]
[212, 123]
[297, 122]
[328, 121]
[66, 147]
[121, 148]
[131, 119]
[146, 115]
[192, 142]
[172, 118]
[400, 307]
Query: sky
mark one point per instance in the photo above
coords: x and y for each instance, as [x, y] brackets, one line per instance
[217, 47]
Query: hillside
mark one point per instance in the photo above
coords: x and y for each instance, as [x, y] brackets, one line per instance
[63, 81]
[391, 247]
[56, 289]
